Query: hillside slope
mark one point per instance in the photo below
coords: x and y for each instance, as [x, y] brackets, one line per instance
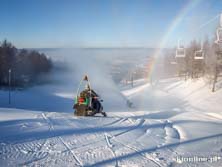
[168, 123]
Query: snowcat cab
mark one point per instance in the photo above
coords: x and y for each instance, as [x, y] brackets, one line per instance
[83, 101]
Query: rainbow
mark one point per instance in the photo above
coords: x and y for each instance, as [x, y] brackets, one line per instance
[176, 21]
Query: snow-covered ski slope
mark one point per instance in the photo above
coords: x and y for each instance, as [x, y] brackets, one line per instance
[170, 121]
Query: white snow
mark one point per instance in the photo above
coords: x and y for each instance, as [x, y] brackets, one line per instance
[168, 123]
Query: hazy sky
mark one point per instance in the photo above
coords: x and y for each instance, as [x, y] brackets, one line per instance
[102, 23]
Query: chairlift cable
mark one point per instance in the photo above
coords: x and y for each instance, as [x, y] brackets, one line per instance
[207, 22]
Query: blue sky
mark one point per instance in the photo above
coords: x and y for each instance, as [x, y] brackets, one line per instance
[101, 23]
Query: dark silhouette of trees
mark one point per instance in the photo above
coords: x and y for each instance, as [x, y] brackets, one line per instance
[25, 65]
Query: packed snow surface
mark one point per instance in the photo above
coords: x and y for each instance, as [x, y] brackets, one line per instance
[170, 123]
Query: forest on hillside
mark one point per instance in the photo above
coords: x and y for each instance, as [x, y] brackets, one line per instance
[20, 67]
[196, 60]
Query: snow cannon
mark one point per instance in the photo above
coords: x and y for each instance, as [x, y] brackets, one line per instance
[87, 102]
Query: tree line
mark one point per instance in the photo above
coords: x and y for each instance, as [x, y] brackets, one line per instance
[210, 66]
[21, 66]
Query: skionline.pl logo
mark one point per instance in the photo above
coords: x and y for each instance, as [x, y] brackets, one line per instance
[194, 159]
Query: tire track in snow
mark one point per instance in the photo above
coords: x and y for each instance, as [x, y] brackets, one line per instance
[31, 150]
[110, 147]
[171, 132]
[36, 159]
[131, 129]
[137, 151]
[108, 136]
[115, 122]
[120, 120]
[168, 124]
[62, 140]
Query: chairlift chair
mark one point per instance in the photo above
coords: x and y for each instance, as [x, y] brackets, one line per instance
[199, 55]
[219, 35]
[180, 53]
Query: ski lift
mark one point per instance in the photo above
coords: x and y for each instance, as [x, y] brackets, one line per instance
[219, 35]
[180, 53]
[219, 32]
[199, 55]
